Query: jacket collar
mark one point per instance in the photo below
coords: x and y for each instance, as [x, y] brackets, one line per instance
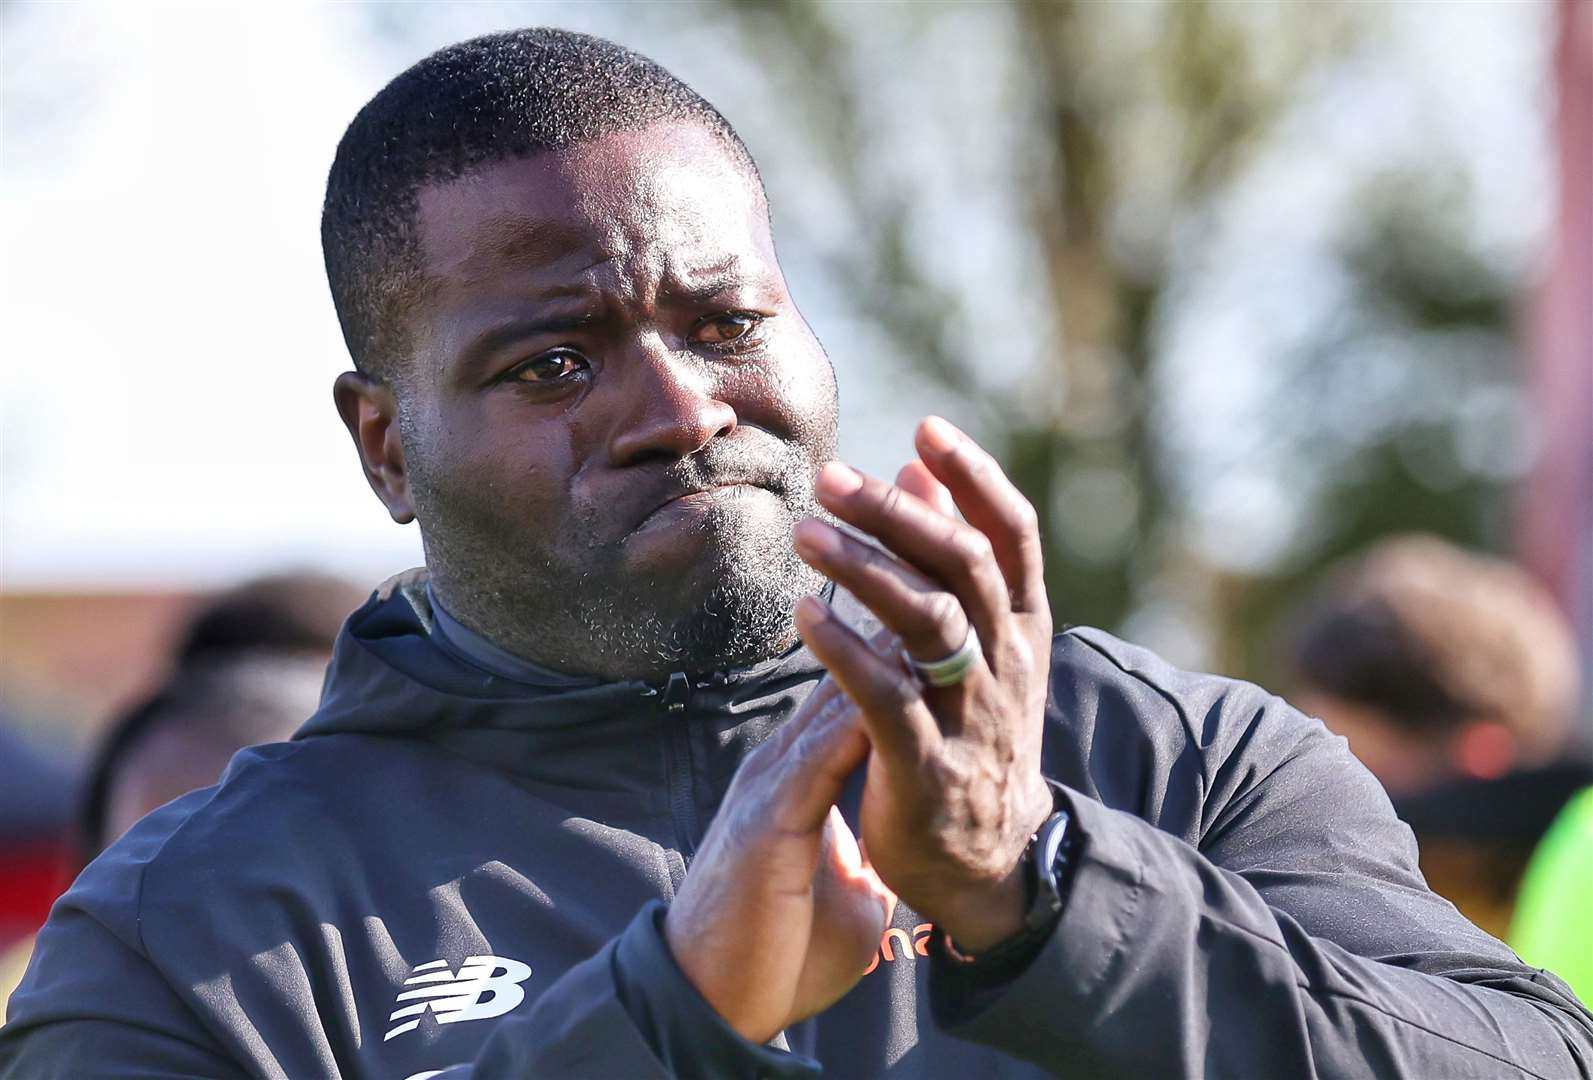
[390, 675]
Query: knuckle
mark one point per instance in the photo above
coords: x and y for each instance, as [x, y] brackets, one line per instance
[941, 608]
[972, 548]
[896, 693]
[885, 641]
[1025, 518]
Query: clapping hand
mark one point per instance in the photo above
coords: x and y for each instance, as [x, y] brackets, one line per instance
[954, 788]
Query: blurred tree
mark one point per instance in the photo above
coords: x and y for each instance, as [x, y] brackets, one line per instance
[1074, 227]
[1132, 127]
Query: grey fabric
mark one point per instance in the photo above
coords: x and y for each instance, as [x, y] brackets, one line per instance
[1247, 905]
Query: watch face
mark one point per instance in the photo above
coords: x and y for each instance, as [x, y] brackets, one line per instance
[1052, 856]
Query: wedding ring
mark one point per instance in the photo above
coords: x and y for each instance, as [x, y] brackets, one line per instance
[949, 670]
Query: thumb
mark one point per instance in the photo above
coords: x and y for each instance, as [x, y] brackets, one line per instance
[845, 868]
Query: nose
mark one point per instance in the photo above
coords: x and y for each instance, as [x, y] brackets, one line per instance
[671, 410]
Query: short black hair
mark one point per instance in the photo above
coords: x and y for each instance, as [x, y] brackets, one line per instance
[492, 98]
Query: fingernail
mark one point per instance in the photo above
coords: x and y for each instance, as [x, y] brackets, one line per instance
[939, 435]
[817, 538]
[839, 479]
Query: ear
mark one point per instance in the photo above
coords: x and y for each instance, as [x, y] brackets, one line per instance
[1484, 750]
[369, 409]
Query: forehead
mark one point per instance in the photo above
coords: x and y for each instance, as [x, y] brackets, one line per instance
[665, 196]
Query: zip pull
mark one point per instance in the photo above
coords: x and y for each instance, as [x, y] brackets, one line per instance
[677, 692]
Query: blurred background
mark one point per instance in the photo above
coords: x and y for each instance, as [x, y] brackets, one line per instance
[1234, 289]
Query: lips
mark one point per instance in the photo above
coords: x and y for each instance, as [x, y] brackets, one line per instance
[626, 499]
[696, 494]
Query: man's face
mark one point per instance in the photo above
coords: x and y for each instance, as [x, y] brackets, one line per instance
[614, 413]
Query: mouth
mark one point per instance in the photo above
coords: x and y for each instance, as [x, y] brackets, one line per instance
[697, 503]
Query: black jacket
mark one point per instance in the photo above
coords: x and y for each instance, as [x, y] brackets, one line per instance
[448, 871]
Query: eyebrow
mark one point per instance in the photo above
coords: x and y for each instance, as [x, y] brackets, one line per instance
[499, 335]
[702, 287]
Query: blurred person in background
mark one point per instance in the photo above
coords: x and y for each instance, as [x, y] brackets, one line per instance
[297, 611]
[1437, 663]
[246, 668]
[245, 665]
[181, 738]
[1454, 677]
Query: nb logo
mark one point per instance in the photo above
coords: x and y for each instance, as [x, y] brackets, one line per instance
[484, 987]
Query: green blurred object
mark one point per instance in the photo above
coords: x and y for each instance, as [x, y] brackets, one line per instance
[1552, 927]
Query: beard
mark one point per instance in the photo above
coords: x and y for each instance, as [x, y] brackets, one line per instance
[742, 613]
[574, 603]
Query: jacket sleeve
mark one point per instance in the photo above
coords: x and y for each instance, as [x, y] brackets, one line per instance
[92, 1006]
[1286, 933]
[627, 1011]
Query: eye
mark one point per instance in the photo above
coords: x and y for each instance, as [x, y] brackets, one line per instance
[559, 365]
[727, 328]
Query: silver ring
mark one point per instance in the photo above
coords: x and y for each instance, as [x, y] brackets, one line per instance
[949, 670]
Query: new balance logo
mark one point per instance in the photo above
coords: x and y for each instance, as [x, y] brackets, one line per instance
[484, 987]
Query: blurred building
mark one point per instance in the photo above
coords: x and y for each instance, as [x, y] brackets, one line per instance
[1556, 519]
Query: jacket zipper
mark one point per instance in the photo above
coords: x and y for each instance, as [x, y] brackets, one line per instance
[683, 807]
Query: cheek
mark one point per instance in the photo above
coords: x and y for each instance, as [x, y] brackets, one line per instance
[794, 394]
[493, 467]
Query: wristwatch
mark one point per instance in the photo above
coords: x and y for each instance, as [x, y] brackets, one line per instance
[1047, 863]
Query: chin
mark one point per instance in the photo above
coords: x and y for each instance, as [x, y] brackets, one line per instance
[729, 604]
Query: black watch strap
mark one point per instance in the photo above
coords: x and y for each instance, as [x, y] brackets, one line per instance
[1048, 860]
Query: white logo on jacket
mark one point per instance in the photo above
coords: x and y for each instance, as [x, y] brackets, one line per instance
[484, 987]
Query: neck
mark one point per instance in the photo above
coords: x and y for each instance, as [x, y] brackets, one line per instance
[725, 630]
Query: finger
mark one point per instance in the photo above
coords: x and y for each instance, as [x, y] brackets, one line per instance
[929, 620]
[992, 504]
[898, 723]
[947, 550]
[916, 478]
[826, 695]
[811, 765]
[883, 641]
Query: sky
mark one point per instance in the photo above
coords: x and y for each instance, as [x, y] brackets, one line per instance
[167, 345]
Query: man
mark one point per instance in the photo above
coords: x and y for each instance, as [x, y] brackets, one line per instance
[489, 854]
